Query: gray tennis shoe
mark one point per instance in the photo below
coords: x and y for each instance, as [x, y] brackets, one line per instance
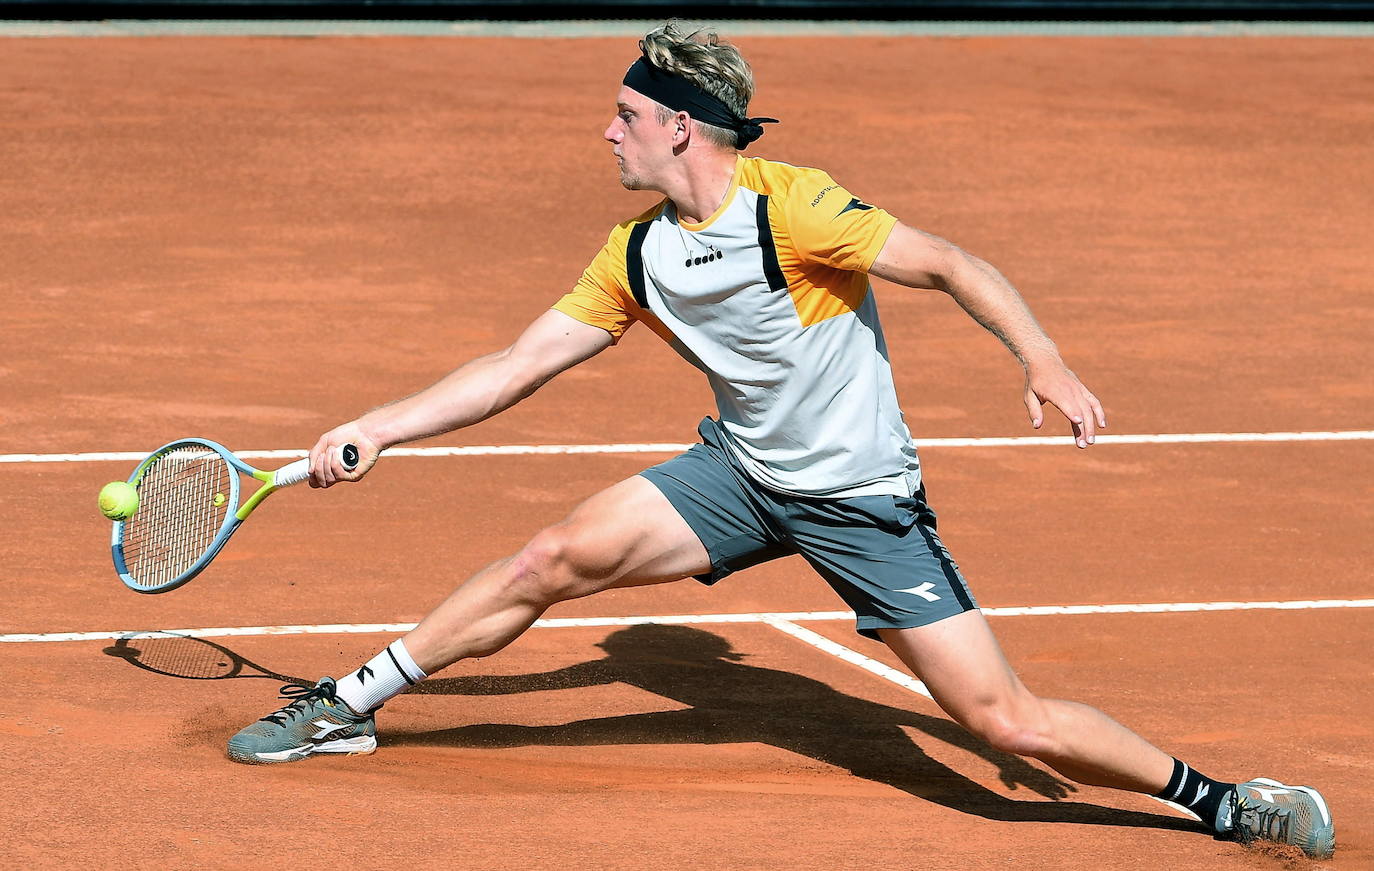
[1264, 809]
[315, 721]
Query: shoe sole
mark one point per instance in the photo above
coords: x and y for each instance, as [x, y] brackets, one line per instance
[360, 746]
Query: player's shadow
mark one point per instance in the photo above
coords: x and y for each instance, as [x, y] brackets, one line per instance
[729, 702]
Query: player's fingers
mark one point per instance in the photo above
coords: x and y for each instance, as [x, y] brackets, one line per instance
[1074, 416]
[316, 460]
[330, 470]
[1089, 423]
[1098, 411]
[1071, 411]
[1033, 408]
[1080, 432]
[329, 464]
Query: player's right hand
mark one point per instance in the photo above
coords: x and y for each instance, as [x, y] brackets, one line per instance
[326, 468]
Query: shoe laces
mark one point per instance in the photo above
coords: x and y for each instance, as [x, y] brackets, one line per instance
[1262, 820]
[301, 696]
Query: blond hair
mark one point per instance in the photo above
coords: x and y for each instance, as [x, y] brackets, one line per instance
[702, 59]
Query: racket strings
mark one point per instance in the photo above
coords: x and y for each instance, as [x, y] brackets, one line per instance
[177, 519]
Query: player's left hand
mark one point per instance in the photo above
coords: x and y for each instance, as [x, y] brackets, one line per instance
[1051, 381]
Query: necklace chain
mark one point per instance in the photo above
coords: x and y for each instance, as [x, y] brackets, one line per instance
[696, 259]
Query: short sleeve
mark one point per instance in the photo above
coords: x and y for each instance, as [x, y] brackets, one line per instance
[827, 224]
[600, 297]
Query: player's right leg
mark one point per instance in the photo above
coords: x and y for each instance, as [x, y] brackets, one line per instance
[627, 535]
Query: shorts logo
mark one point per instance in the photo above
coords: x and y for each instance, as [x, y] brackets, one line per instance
[924, 591]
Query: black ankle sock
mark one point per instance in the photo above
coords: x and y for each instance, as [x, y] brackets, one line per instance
[1198, 793]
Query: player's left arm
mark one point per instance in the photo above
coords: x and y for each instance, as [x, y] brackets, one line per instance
[916, 259]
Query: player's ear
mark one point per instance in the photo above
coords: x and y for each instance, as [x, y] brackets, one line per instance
[682, 127]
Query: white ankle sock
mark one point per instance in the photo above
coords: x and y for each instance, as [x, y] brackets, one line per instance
[383, 676]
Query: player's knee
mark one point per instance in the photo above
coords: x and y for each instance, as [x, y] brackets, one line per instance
[537, 573]
[556, 565]
[1012, 728]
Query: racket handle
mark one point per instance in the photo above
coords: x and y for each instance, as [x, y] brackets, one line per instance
[294, 473]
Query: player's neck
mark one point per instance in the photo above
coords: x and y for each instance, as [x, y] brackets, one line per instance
[699, 188]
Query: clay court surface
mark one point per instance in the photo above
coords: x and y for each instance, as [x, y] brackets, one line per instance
[253, 239]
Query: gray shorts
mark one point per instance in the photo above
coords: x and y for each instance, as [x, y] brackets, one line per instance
[880, 553]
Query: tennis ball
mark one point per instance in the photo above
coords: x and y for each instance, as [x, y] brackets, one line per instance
[118, 500]
[219, 499]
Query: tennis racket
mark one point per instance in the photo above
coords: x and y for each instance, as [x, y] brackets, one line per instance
[185, 656]
[188, 507]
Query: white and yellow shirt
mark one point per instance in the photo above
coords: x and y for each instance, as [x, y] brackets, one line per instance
[770, 298]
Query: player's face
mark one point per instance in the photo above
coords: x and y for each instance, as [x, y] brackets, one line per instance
[641, 144]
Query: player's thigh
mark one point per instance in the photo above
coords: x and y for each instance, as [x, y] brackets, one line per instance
[884, 558]
[961, 663]
[627, 535]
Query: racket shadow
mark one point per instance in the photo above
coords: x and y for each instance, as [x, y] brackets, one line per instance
[173, 654]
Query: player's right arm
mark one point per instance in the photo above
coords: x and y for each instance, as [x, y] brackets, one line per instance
[585, 322]
[471, 393]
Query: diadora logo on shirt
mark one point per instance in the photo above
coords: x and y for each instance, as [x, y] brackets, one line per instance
[711, 257]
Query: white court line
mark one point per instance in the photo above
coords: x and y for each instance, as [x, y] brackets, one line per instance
[672, 448]
[1177, 607]
[853, 657]
[793, 617]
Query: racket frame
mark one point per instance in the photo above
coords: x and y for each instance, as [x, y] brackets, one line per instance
[291, 473]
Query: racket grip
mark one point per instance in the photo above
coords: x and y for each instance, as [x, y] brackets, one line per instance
[294, 473]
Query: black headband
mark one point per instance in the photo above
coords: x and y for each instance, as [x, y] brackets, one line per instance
[681, 95]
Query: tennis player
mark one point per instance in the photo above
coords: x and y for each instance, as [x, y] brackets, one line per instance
[757, 273]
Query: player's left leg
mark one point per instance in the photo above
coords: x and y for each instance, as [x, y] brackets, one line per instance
[883, 555]
[962, 665]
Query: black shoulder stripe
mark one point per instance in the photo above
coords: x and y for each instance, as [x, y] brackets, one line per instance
[772, 270]
[634, 263]
[857, 205]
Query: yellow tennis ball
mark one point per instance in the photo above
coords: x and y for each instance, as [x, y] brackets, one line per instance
[219, 499]
[118, 500]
